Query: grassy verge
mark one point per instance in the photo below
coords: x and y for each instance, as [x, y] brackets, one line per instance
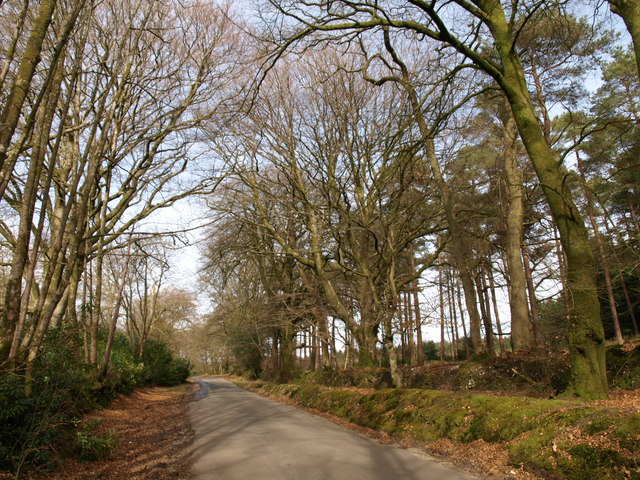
[556, 439]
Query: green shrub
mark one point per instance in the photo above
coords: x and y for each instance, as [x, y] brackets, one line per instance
[93, 446]
[63, 388]
[60, 390]
[600, 463]
[161, 367]
[123, 375]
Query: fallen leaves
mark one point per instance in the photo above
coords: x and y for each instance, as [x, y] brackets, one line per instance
[154, 434]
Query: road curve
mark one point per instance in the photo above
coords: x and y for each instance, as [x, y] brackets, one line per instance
[240, 435]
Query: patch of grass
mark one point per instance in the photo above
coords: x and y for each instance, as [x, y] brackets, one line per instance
[533, 449]
[628, 435]
[598, 422]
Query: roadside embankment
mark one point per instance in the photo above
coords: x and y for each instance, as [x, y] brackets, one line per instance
[552, 438]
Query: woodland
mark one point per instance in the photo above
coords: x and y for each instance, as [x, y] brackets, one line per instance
[377, 186]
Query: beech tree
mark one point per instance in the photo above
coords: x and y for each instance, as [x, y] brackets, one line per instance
[489, 19]
[328, 173]
[106, 139]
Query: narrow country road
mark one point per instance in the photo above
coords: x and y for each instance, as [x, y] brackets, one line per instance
[240, 435]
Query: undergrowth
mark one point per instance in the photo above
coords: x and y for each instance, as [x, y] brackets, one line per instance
[38, 429]
[92, 445]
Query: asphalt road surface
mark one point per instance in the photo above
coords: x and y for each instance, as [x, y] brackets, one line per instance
[240, 435]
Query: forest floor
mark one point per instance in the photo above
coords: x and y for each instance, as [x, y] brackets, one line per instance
[153, 434]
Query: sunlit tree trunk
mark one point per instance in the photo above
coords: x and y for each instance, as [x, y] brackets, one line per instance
[521, 334]
[10, 114]
[441, 310]
[15, 299]
[485, 312]
[416, 306]
[453, 317]
[494, 302]
[586, 334]
[629, 11]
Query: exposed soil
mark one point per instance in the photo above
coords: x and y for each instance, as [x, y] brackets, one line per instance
[154, 435]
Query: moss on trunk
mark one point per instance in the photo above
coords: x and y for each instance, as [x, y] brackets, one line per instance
[586, 334]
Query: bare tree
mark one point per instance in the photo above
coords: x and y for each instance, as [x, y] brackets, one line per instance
[122, 148]
[458, 25]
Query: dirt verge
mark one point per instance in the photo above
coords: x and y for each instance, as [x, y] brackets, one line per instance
[153, 438]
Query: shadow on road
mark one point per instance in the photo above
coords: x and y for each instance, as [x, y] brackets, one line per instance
[241, 435]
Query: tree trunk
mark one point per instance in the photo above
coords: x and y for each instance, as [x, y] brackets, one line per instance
[634, 321]
[323, 331]
[486, 312]
[391, 351]
[453, 317]
[416, 306]
[536, 326]
[521, 335]
[467, 351]
[15, 301]
[441, 308]
[497, 315]
[603, 258]
[286, 353]
[402, 327]
[629, 11]
[10, 115]
[410, 327]
[586, 335]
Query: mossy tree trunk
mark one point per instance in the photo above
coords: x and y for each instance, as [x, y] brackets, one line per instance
[586, 335]
[366, 338]
[393, 354]
[629, 11]
[287, 364]
[10, 114]
[9, 119]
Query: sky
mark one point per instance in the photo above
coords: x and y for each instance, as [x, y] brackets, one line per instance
[185, 260]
